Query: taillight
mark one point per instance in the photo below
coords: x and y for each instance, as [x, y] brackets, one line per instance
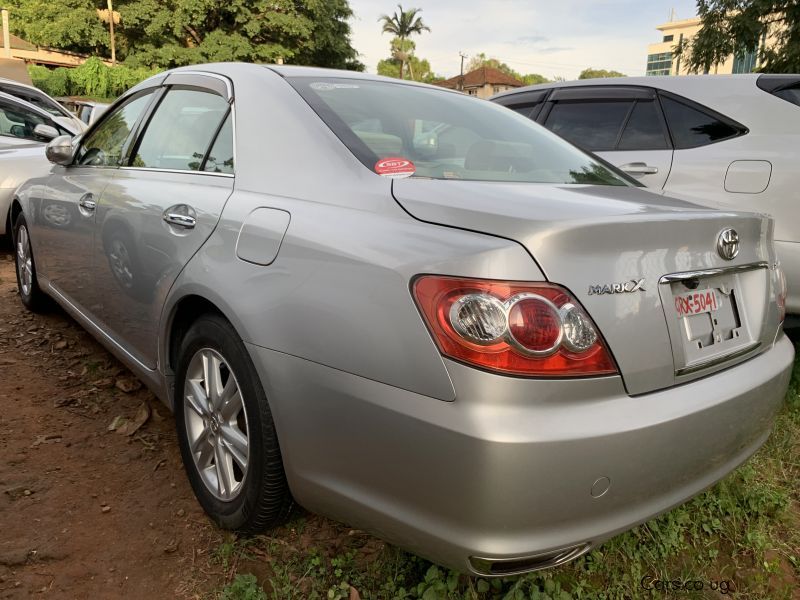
[534, 329]
[782, 291]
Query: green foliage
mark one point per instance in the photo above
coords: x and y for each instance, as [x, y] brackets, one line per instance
[733, 27]
[93, 79]
[403, 24]
[169, 33]
[68, 24]
[591, 73]
[243, 587]
[419, 69]
[481, 60]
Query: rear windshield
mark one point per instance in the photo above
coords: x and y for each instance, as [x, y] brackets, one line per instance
[785, 87]
[446, 135]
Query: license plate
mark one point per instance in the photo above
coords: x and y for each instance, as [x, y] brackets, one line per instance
[697, 302]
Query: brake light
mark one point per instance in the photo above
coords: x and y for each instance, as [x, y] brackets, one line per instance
[534, 329]
[781, 299]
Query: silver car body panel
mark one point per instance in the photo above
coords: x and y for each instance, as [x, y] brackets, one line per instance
[376, 427]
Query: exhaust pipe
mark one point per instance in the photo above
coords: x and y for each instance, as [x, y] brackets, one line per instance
[503, 567]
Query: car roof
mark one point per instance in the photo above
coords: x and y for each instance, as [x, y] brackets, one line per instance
[6, 81]
[723, 93]
[235, 69]
[670, 83]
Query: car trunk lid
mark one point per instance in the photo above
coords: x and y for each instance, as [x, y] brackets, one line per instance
[630, 257]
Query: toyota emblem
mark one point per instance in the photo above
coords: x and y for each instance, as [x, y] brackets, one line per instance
[728, 243]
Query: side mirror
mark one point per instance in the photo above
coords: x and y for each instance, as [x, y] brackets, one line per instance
[47, 132]
[60, 150]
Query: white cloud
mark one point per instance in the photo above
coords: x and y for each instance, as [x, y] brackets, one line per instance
[560, 37]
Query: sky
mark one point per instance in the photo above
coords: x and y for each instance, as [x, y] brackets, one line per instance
[549, 37]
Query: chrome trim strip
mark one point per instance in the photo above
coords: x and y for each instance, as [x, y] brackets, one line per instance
[536, 562]
[717, 360]
[88, 323]
[183, 171]
[673, 277]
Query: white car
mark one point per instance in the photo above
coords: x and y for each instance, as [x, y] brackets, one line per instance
[38, 98]
[726, 141]
[24, 131]
[88, 111]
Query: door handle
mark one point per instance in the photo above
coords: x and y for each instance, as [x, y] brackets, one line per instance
[87, 202]
[639, 168]
[179, 220]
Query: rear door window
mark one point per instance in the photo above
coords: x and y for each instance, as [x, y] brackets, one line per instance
[644, 129]
[592, 125]
[692, 125]
[220, 158]
[181, 130]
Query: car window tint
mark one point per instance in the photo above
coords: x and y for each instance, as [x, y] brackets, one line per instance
[589, 125]
[525, 111]
[180, 131]
[220, 159]
[41, 101]
[692, 127]
[103, 146]
[790, 94]
[644, 129]
[16, 121]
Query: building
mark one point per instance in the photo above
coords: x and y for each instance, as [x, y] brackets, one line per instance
[483, 82]
[661, 61]
[19, 49]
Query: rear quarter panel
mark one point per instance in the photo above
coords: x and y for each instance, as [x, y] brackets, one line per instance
[338, 292]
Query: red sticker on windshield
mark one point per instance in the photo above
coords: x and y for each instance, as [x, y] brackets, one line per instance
[395, 167]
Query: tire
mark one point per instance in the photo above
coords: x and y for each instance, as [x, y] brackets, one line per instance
[30, 293]
[248, 496]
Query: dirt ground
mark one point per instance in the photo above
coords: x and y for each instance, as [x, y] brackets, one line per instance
[86, 512]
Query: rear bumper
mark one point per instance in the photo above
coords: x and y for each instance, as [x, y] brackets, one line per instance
[512, 467]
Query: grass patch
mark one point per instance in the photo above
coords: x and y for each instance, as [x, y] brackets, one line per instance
[739, 539]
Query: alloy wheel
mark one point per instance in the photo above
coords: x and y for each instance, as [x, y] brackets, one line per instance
[24, 261]
[216, 424]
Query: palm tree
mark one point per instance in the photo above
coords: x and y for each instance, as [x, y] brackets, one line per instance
[403, 24]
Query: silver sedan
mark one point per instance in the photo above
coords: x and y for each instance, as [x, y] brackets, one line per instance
[408, 309]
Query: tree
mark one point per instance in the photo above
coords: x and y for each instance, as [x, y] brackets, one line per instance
[481, 60]
[177, 32]
[419, 69]
[168, 33]
[591, 73]
[740, 26]
[68, 24]
[403, 25]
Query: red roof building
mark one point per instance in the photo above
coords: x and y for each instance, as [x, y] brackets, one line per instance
[483, 82]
